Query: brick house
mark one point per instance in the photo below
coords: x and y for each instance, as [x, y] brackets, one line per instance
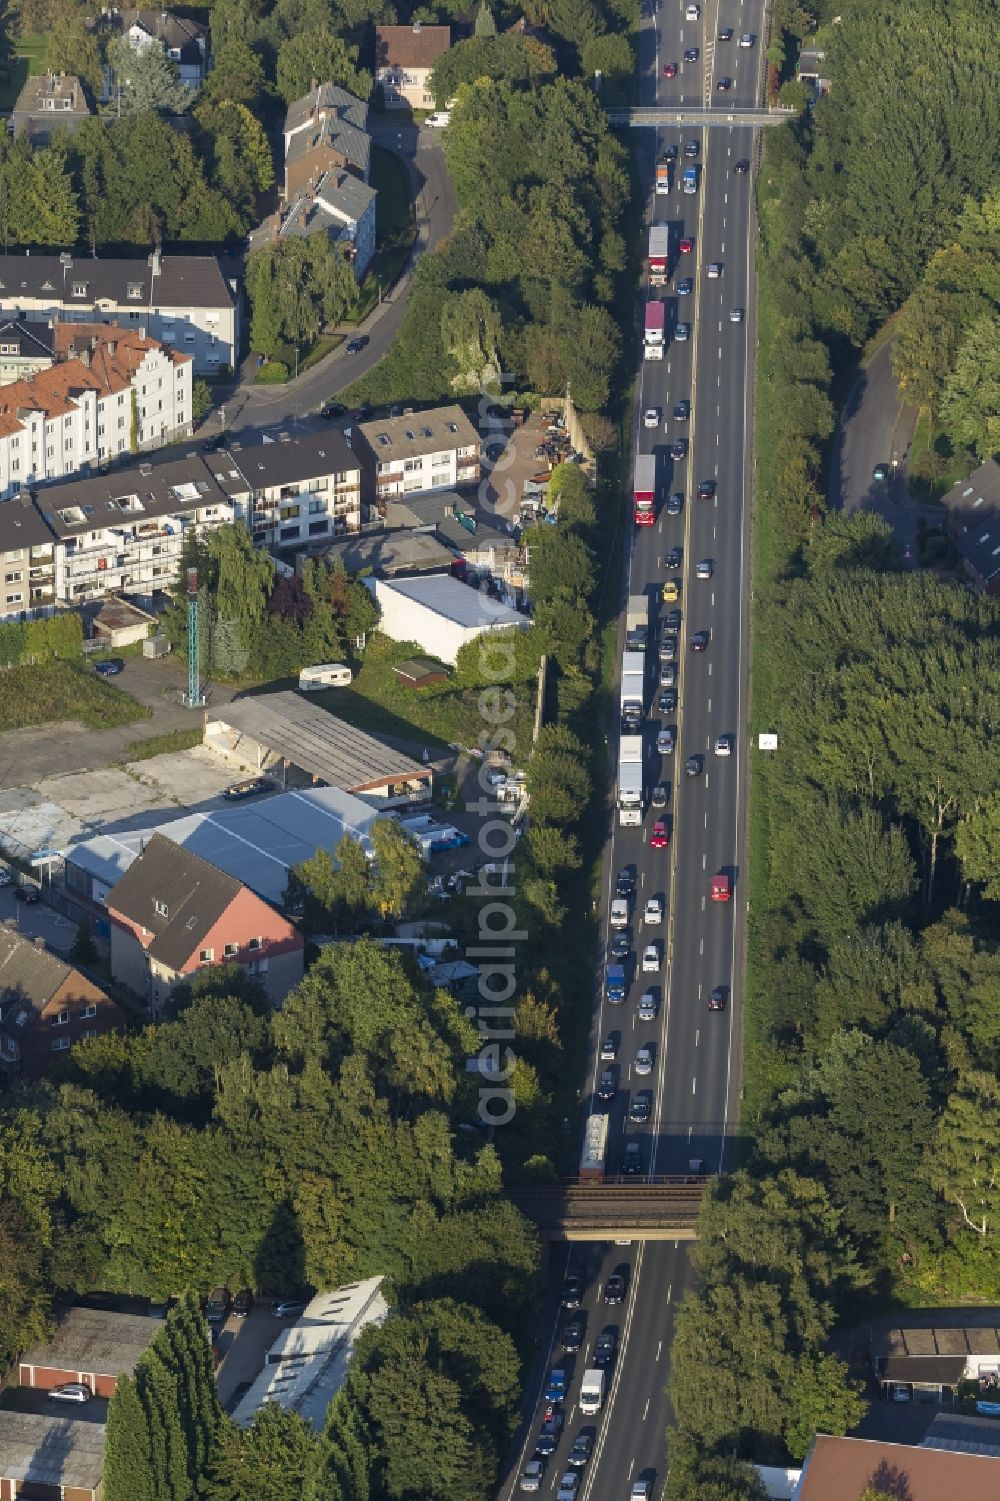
[173, 914]
[328, 127]
[46, 1005]
[404, 58]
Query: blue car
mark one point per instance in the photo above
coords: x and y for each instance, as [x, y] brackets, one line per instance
[111, 668]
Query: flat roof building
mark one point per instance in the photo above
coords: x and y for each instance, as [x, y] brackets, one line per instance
[973, 507]
[440, 614]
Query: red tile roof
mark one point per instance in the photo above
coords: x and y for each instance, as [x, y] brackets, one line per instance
[841, 1469]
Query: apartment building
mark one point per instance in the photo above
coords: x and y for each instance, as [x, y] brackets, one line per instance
[304, 489]
[435, 450]
[328, 127]
[112, 391]
[48, 102]
[27, 562]
[340, 206]
[25, 349]
[181, 300]
[404, 59]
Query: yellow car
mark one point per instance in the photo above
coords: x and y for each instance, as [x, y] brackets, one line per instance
[671, 593]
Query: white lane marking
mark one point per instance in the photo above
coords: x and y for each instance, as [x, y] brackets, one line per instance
[645, 1410]
[694, 1086]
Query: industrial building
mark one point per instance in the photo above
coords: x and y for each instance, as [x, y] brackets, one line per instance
[440, 614]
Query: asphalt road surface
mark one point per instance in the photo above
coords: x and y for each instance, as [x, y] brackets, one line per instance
[697, 1052]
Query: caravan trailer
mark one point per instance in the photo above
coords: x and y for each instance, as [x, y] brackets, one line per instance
[326, 675]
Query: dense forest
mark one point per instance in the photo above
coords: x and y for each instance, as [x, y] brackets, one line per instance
[873, 1010]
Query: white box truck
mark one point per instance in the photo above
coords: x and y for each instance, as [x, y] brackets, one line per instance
[630, 780]
[592, 1391]
[633, 691]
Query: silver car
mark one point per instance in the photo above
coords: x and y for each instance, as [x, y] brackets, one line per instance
[531, 1476]
[644, 1059]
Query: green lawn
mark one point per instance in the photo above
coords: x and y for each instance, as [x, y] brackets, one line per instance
[52, 691]
[395, 228]
[28, 59]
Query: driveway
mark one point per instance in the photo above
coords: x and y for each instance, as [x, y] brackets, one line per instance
[251, 406]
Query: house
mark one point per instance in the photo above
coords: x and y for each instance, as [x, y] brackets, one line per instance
[46, 1005]
[973, 507]
[843, 1469]
[338, 205]
[928, 1364]
[25, 350]
[42, 1454]
[404, 59]
[440, 614]
[328, 127]
[473, 538]
[111, 391]
[49, 102]
[434, 450]
[300, 490]
[173, 914]
[809, 70]
[181, 300]
[27, 562]
[92, 1345]
[183, 40]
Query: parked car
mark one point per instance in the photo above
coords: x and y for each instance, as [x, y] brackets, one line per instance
[242, 1303]
[287, 1308]
[29, 894]
[252, 787]
[70, 1391]
[109, 668]
[217, 1305]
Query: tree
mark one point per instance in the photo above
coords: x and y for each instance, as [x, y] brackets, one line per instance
[485, 24]
[970, 406]
[275, 1459]
[824, 1400]
[558, 780]
[297, 286]
[319, 53]
[145, 80]
[84, 950]
[71, 47]
[399, 868]
[339, 884]
[470, 334]
[977, 844]
[962, 1163]
[201, 400]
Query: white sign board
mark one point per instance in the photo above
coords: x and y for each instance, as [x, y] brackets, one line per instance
[767, 741]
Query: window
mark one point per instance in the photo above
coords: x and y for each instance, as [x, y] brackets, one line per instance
[206, 956]
[257, 967]
[88, 1032]
[89, 1010]
[61, 1044]
[231, 949]
[134, 290]
[161, 909]
[60, 1019]
[13, 578]
[15, 599]
[255, 943]
[79, 289]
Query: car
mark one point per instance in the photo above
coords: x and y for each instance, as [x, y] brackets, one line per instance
[607, 1085]
[741, 167]
[685, 246]
[640, 1108]
[29, 894]
[647, 1008]
[605, 1346]
[70, 1391]
[690, 54]
[660, 795]
[331, 409]
[675, 502]
[439, 119]
[659, 838]
[706, 489]
[724, 85]
[713, 270]
[746, 40]
[644, 1060]
[531, 1476]
[685, 287]
[678, 449]
[242, 1303]
[621, 944]
[653, 910]
[574, 1332]
[682, 411]
[568, 1486]
[693, 766]
[625, 882]
[665, 741]
[669, 153]
[609, 1048]
[548, 1438]
[726, 34]
[682, 332]
[555, 1389]
[580, 1450]
[880, 472]
[704, 569]
[651, 959]
[651, 417]
[5, 876]
[717, 1000]
[355, 346]
[673, 559]
[287, 1308]
[619, 912]
[217, 1305]
[666, 703]
[723, 745]
[614, 1289]
[632, 1160]
[668, 654]
[691, 149]
[736, 315]
[572, 1291]
[670, 591]
[109, 668]
[699, 641]
[672, 621]
[721, 888]
[252, 787]
[668, 679]
[692, 12]
[670, 70]
[642, 1490]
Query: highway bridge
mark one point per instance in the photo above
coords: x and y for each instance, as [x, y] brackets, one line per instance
[694, 118]
[651, 1208]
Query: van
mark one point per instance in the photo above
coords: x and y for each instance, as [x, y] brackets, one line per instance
[439, 119]
[619, 912]
[326, 675]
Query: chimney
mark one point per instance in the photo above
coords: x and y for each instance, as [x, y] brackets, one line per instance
[38, 943]
[416, 28]
[156, 261]
[84, 357]
[112, 346]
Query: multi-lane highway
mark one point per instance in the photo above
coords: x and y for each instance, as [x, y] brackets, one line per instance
[695, 1079]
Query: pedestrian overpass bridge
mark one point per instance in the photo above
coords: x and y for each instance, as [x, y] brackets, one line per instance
[666, 115]
[657, 1208]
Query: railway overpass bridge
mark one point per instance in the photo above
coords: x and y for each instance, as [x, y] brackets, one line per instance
[667, 115]
[659, 1208]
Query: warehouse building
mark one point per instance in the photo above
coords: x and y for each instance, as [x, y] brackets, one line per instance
[440, 614]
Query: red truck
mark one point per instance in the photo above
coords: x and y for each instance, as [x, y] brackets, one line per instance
[644, 489]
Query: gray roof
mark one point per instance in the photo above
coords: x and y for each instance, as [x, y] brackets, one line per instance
[965, 1434]
[336, 133]
[33, 339]
[177, 33]
[436, 431]
[304, 456]
[924, 1370]
[338, 201]
[21, 525]
[479, 537]
[453, 601]
[48, 102]
[161, 487]
[327, 99]
[52, 1451]
[194, 893]
[96, 1341]
[424, 510]
[182, 281]
[30, 975]
[320, 743]
[390, 553]
[941, 1341]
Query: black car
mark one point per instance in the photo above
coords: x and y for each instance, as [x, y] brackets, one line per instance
[672, 621]
[682, 411]
[242, 1303]
[252, 787]
[640, 1109]
[572, 1292]
[675, 503]
[678, 449]
[673, 559]
[331, 409]
[726, 34]
[741, 167]
[669, 154]
[880, 472]
[573, 1333]
[706, 489]
[717, 1000]
[621, 944]
[691, 149]
[666, 703]
[212, 445]
[29, 894]
[690, 54]
[624, 886]
[605, 1346]
[548, 1439]
[607, 1086]
[111, 668]
[580, 1451]
[699, 641]
[661, 792]
[614, 1289]
[692, 766]
[217, 1305]
[724, 85]
[355, 346]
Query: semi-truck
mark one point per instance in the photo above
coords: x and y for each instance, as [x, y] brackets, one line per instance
[644, 489]
[663, 177]
[595, 1147]
[689, 181]
[592, 1391]
[637, 623]
[656, 319]
[659, 254]
[630, 780]
[633, 693]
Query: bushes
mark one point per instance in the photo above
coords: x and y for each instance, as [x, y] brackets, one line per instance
[59, 638]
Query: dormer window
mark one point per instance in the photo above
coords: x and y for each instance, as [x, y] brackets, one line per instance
[79, 289]
[162, 910]
[134, 291]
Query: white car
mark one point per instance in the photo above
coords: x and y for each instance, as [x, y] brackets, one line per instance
[619, 912]
[5, 876]
[644, 1059]
[705, 569]
[651, 417]
[654, 910]
[746, 40]
[714, 270]
[439, 119]
[651, 959]
[71, 1391]
[723, 745]
[736, 315]
[692, 13]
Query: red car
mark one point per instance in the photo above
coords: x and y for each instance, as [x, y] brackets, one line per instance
[659, 839]
[721, 889]
[685, 247]
[670, 70]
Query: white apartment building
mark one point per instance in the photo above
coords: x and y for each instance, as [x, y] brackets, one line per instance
[112, 392]
[436, 450]
[301, 490]
[27, 562]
